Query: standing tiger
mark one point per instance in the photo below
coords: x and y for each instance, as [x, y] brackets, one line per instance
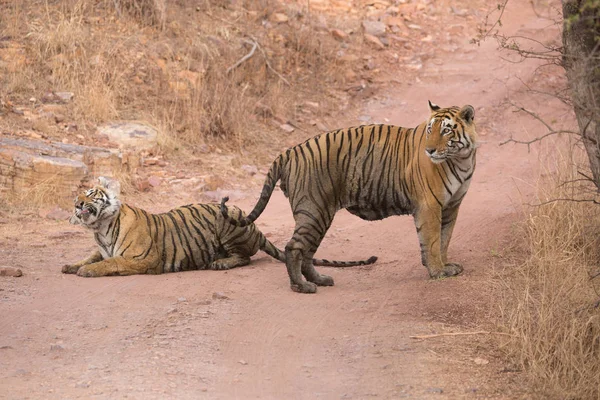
[133, 241]
[374, 172]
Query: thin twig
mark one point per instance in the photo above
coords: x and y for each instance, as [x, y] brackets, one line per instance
[537, 139]
[561, 199]
[116, 2]
[459, 334]
[246, 57]
[269, 64]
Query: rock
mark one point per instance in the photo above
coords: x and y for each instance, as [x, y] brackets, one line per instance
[136, 135]
[250, 169]
[219, 296]
[287, 127]
[339, 34]
[374, 41]
[320, 126]
[56, 347]
[350, 75]
[65, 97]
[348, 58]
[154, 181]
[28, 164]
[480, 361]
[11, 271]
[243, 362]
[181, 300]
[279, 17]
[142, 184]
[374, 28]
[214, 182]
[56, 213]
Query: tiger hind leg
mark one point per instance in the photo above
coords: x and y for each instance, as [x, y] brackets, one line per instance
[229, 262]
[299, 251]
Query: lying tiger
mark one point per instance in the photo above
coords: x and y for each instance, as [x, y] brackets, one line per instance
[374, 172]
[133, 241]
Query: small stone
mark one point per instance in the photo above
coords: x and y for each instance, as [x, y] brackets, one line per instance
[320, 126]
[56, 213]
[287, 127]
[414, 26]
[56, 347]
[339, 34]
[279, 17]
[480, 361]
[181, 300]
[64, 96]
[243, 362]
[142, 184]
[10, 271]
[59, 118]
[374, 40]
[250, 169]
[83, 385]
[350, 75]
[435, 390]
[154, 181]
[219, 296]
[374, 28]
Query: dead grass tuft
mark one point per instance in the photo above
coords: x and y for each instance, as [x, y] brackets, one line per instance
[549, 301]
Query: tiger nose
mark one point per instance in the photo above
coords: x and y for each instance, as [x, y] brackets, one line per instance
[430, 150]
[79, 204]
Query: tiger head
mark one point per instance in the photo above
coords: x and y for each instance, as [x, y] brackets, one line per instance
[450, 133]
[97, 205]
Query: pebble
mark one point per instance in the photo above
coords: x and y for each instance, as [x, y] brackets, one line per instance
[10, 271]
[219, 296]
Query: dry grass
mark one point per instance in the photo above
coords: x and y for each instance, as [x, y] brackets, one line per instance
[549, 301]
[167, 62]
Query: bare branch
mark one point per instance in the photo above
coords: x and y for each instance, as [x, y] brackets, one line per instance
[269, 64]
[537, 139]
[459, 334]
[246, 57]
[562, 199]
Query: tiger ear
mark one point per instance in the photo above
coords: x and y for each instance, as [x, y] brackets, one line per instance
[467, 114]
[433, 107]
[111, 185]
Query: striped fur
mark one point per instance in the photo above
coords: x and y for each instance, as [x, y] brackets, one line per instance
[374, 172]
[133, 241]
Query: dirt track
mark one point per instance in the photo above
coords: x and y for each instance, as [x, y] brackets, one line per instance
[168, 336]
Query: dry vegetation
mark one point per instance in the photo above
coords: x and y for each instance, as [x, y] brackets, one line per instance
[550, 299]
[167, 63]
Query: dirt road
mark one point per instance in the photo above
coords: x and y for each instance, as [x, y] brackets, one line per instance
[243, 334]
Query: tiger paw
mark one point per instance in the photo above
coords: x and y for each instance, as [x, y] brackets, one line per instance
[304, 287]
[450, 269]
[219, 266]
[87, 272]
[324, 280]
[69, 269]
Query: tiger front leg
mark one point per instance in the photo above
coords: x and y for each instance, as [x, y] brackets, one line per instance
[119, 266]
[73, 268]
[429, 226]
[448, 221]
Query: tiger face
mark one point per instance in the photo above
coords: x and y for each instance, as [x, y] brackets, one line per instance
[95, 205]
[450, 133]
